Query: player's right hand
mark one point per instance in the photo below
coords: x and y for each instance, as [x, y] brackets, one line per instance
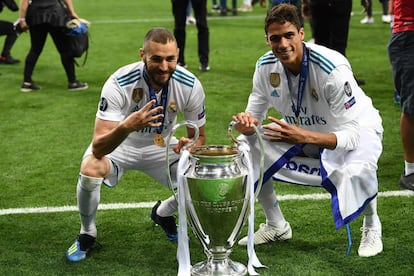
[145, 117]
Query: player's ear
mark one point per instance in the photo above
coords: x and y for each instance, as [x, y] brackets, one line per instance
[267, 39]
[141, 53]
[302, 33]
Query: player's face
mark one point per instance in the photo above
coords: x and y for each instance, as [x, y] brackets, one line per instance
[160, 60]
[286, 43]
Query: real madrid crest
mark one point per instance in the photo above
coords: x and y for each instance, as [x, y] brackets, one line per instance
[347, 89]
[172, 107]
[274, 79]
[137, 94]
[314, 94]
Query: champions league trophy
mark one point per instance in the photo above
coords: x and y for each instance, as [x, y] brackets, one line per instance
[216, 191]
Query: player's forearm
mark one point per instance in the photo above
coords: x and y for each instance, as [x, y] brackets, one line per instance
[108, 142]
[324, 140]
[201, 140]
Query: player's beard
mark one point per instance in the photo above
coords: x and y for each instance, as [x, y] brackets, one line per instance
[158, 78]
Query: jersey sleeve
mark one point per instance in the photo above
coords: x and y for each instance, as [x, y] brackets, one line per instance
[195, 109]
[344, 95]
[111, 101]
[345, 98]
[258, 103]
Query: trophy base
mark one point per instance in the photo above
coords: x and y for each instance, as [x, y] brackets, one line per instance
[224, 267]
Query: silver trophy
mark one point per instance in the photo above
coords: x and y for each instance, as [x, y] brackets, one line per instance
[216, 198]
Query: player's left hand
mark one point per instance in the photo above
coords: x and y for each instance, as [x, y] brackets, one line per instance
[283, 132]
[181, 143]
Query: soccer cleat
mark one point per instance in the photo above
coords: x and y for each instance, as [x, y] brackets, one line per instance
[267, 234]
[386, 18]
[215, 8]
[29, 87]
[190, 20]
[204, 67]
[407, 181]
[371, 243]
[367, 20]
[82, 245]
[8, 60]
[77, 85]
[245, 8]
[166, 223]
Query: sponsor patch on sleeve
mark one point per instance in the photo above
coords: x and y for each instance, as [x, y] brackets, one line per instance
[350, 103]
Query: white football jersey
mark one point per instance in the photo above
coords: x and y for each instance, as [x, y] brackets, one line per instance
[331, 96]
[126, 91]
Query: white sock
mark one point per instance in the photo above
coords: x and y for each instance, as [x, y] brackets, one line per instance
[409, 168]
[371, 218]
[167, 207]
[88, 193]
[372, 221]
[270, 204]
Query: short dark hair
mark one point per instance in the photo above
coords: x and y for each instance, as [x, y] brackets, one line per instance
[281, 14]
[158, 35]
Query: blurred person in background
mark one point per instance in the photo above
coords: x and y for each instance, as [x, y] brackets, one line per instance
[369, 19]
[190, 18]
[10, 31]
[401, 54]
[224, 8]
[179, 8]
[43, 17]
[247, 5]
[330, 23]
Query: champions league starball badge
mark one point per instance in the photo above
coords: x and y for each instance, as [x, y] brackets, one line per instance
[348, 89]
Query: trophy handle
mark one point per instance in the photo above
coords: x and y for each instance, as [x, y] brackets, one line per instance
[186, 123]
[261, 145]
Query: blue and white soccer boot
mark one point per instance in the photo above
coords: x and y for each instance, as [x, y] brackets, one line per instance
[167, 223]
[78, 250]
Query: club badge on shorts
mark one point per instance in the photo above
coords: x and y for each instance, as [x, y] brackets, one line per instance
[158, 140]
[137, 94]
[274, 79]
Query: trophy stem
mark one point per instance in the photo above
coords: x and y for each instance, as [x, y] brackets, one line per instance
[219, 266]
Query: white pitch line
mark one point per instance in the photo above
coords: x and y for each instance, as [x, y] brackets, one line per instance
[140, 205]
